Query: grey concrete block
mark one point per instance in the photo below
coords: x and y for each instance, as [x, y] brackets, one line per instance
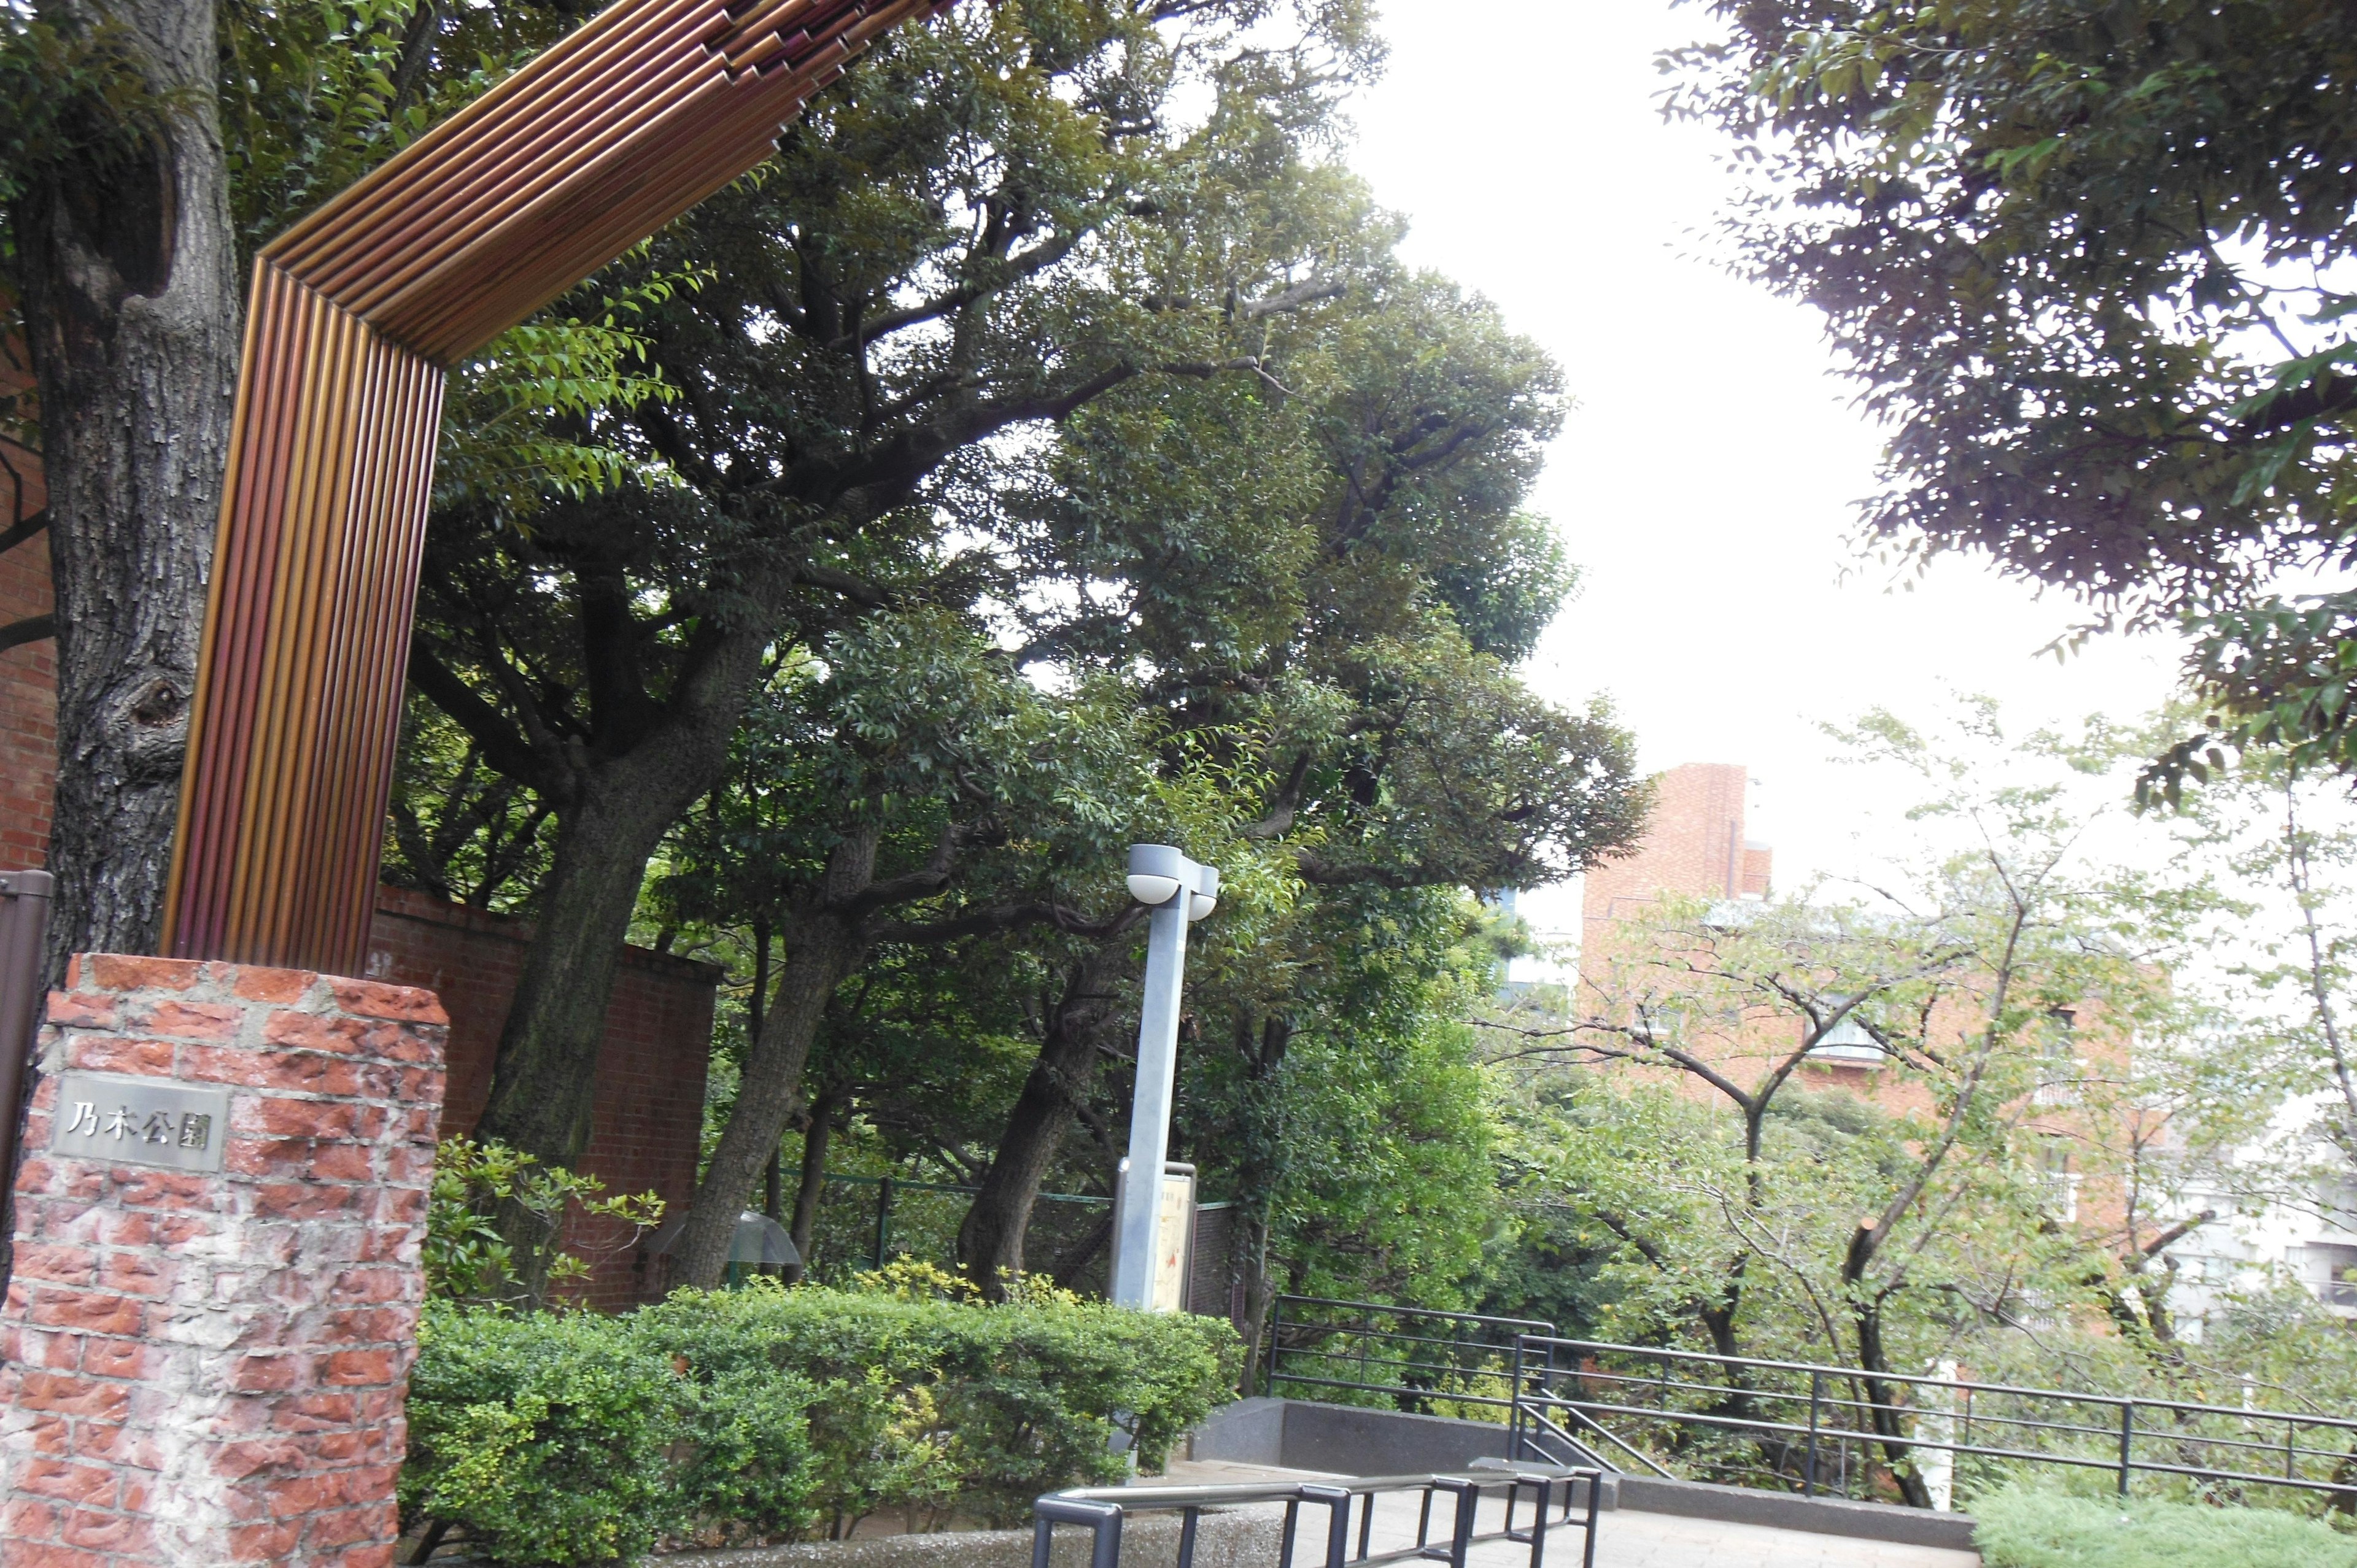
[1784, 1510]
[1356, 1442]
[1249, 1431]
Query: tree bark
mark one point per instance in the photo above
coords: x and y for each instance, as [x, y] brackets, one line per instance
[1263, 1051]
[990, 1240]
[612, 810]
[813, 1187]
[1883, 1410]
[132, 312]
[1258, 1295]
[544, 1079]
[823, 946]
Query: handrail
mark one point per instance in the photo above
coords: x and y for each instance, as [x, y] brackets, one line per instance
[1593, 1426]
[1393, 1310]
[2139, 1401]
[1387, 1358]
[1744, 1408]
[1102, 1509]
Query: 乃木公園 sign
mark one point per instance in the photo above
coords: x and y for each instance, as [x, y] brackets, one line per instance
[139, 1121]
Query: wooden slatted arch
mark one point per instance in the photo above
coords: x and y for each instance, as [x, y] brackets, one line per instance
[356, 314]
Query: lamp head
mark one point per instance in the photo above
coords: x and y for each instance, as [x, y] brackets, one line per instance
[1157, 872]
[1153, 889]
[1206, 896]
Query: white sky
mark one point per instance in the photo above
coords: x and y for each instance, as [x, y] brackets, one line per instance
[1704, 483]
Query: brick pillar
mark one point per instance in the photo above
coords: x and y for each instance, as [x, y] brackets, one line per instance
[208, 1334]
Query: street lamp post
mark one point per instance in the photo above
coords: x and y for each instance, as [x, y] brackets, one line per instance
[1179, 891]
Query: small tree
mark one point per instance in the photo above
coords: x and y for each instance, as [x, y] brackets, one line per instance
[2015, 1006]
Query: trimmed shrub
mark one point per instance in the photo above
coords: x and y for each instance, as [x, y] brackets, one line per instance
[936, 1403]
[2018, 1528]
[537, 1437]
[774, 1414]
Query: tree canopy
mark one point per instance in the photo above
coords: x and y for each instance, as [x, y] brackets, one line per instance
[2088, 259]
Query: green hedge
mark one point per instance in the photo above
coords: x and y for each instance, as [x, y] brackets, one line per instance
[2018, 1528]
[768, 1413]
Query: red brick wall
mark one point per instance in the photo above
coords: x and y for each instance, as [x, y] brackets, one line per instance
[649, 1115]
[29, 673]
[208, 1366]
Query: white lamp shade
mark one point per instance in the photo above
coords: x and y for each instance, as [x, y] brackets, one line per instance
[757, 1239]
[1153, 889]
[1199, 904]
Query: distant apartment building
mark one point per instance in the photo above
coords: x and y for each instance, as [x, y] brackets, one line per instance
[1696, 846]
[2310, 1243]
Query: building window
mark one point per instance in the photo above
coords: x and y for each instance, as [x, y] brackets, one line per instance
[2062, 1181]
[2332, 1273]
[1846, 1044]
[2058, 1059]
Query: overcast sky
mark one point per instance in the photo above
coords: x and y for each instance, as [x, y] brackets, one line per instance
[1705, 482]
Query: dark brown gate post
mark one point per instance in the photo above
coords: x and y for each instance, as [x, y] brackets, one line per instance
[23, 925]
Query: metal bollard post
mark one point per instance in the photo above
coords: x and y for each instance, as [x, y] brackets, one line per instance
[2127, 1438]
[1338, 1518]
[1103, 1519]
[24, 930]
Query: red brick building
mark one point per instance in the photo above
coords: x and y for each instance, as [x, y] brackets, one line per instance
[1694, 844]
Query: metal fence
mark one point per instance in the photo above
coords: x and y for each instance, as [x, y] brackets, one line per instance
[865, 1221]
[1400, 1358]
[1832, 1430]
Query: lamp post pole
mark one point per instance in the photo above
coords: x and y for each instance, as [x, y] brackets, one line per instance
[1180, 891]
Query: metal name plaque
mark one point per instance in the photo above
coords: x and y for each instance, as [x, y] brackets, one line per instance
[139, 1121]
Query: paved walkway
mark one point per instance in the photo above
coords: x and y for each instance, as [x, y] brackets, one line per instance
[1624, 1539]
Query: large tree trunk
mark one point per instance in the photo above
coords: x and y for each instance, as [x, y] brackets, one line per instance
[1264, 1049]
[823, 949]
[612, 810]
[131, 307]
[544, 1079]
[1883, 1409]
[1259, 1292]
[813, 1176]
[990, 1240]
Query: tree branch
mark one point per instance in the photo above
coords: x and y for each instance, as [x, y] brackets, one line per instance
[32, 628]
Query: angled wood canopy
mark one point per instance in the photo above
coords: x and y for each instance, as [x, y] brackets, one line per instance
[356, 314]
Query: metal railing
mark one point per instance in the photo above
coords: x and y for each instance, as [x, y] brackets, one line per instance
[1102, 1509]
[1822, 1429]
[1410, 1357]
[888, 1189]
